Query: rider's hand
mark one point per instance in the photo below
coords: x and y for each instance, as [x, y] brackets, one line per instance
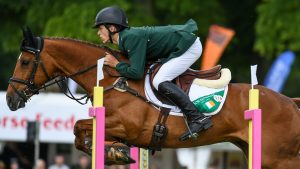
[110, 60]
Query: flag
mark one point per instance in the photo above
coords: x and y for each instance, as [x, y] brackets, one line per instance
[279, 71]
[210, 104]
[253, 75]
[100, 75]
[218, 39]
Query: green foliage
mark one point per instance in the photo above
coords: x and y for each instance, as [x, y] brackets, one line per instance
[277, 27]
[276, 31]
[77, 20]
[263, 29]
[204, 13]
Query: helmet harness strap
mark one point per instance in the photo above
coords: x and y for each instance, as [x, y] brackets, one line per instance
[110, 33]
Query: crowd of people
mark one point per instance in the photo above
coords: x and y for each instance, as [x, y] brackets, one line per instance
[83, 162]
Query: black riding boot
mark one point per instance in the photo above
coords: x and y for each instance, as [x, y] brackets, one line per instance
[196, 120]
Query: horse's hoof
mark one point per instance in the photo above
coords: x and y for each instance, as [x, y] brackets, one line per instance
[118, 156]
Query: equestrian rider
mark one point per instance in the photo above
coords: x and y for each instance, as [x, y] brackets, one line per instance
[176, 46]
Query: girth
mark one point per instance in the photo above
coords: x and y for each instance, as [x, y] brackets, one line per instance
[159, 130]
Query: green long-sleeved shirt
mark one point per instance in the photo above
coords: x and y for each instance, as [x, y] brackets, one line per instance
[152, 43]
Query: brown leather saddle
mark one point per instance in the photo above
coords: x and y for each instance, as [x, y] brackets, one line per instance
[185, 80]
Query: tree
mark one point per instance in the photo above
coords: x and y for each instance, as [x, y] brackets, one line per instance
[276, 31]
[277, 27]
[255, 42]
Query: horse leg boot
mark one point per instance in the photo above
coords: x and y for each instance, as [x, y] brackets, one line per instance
[196, 120]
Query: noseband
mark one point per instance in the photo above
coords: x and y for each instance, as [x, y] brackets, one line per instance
[31, 87]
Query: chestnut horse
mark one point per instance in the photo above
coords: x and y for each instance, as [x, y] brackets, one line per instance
[131, 119]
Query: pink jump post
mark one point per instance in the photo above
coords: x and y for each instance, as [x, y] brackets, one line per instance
[98, 114]
[254, 115]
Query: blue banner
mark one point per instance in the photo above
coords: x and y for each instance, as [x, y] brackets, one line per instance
[279, 71]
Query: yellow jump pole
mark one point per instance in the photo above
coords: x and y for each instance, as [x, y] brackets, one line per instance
[98, 114]
[144, 158]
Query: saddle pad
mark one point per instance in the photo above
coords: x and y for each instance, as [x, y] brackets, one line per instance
[203, 97]
[207, 100]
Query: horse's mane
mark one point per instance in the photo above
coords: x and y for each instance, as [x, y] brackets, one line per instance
[106, 48]
[76, 40]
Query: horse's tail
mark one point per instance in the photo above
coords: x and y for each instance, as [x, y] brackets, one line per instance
[297, 101]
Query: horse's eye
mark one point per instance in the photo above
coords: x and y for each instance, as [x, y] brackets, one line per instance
[25, 62]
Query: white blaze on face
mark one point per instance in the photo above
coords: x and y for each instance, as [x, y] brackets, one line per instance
[20, 56]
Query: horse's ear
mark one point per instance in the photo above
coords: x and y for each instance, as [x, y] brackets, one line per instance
[28, 36]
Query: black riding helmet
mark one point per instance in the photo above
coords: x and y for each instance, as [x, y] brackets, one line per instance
[111, 15]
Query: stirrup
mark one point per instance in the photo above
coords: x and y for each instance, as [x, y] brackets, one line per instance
[194, 136]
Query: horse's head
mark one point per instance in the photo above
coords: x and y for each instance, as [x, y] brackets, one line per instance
[30, 72]
[41, 60]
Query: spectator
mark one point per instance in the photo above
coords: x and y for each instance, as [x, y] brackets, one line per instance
[84, 163]
[2, 165]
[14, 164]
[59, 163]
[41, 164]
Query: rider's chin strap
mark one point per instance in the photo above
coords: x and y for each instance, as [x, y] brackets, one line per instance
[110, 33]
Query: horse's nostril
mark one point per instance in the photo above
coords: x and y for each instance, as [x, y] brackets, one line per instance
[8, 99]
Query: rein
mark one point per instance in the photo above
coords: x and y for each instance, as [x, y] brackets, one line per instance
[71, 96]
[159, 131]
[32, 88]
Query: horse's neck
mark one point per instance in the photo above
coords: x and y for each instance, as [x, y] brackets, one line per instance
[71, 57]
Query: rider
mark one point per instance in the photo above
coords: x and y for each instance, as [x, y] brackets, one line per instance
[175, 45]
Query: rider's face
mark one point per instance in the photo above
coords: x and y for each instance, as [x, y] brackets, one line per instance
[103, 33]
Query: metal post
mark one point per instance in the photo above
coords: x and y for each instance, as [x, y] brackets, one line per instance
[37, 144]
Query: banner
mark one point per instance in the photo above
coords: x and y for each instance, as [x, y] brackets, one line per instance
[56, 113]
[279, 71]
[218, 39]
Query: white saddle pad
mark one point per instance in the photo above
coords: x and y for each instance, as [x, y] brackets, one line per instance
[207, 100]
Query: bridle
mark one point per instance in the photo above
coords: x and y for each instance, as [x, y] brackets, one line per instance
[31, 87]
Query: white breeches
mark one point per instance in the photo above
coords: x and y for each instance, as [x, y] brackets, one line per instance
[176, 66]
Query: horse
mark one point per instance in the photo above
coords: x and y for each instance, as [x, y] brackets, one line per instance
[131, 119]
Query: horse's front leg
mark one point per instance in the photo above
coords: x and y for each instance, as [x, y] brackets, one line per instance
[114, 153]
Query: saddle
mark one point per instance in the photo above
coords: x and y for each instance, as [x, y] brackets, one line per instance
[185, 80]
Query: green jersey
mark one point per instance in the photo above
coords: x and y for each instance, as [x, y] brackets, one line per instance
[151, 43]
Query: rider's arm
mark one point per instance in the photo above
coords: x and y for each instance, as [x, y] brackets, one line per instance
[136, 48]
